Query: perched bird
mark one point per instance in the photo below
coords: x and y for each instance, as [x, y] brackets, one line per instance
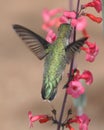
[56, 55]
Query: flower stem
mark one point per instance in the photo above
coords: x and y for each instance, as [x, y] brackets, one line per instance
[70, 70]
[62, 111]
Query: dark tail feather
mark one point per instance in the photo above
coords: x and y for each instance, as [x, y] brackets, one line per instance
[75, 46]
[50, 96]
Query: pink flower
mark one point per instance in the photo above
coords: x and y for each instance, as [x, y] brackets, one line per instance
[40, 118]
[47, 14]
[77, 75]
[79, 23]
[87, 75]
[95, 3]
[75, 89]
[54, 22]
[91, 51]
[49, 18]
[69, 14]
[93, 48]
[90, 57]
[51, 36]
[94, 18]
[63, 19]
[70, 121]
[84, 32]
[84, 122]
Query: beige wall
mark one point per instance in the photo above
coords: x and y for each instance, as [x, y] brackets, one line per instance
[21, 71]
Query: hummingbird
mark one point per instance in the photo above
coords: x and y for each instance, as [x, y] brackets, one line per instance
[56, 55]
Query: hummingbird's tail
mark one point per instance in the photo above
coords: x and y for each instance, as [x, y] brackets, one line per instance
[49, 89]
[48, 95]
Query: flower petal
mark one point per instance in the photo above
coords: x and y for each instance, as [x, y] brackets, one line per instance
[75, 89]
[84, 122]
[79, 23]
[94, 18]
[34, 118]
[51, 36]
[87, 75]
[95, 3]
[70, 15]
[91, 52]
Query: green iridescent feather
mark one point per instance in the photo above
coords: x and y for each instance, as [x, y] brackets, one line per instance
[55, 63]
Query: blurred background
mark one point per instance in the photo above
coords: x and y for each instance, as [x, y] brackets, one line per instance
[21, 72]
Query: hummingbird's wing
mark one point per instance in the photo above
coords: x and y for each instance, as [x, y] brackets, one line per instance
[36, 43]
[74, 47]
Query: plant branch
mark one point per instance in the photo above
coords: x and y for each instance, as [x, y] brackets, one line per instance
[70, 70]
